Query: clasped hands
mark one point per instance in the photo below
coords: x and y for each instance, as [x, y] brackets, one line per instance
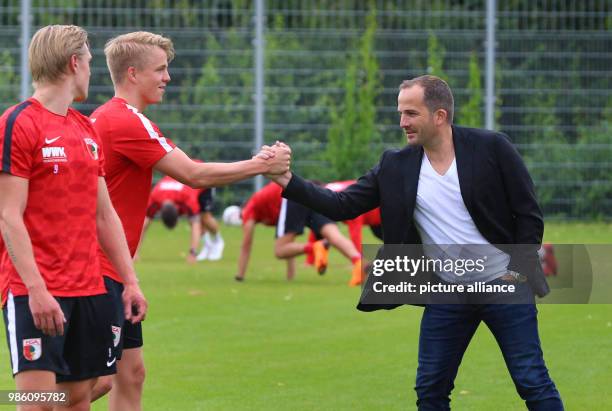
[278, 161]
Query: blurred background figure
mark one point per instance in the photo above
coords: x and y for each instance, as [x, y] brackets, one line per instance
[213, 244]
[548, 259]
[268, 207]
[370, 219]
[171, 199]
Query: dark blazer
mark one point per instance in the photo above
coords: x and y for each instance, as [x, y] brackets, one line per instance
[495, 185]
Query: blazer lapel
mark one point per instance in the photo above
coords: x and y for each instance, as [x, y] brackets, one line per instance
[464, 155]
[411, 170]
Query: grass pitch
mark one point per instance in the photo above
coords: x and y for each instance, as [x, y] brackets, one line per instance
[269, 344]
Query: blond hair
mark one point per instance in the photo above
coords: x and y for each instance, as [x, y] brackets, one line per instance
[131, 49]
[51, 49]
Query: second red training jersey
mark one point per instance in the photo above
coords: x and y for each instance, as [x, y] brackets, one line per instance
[264, 206]
[132, 146]
[183, 197]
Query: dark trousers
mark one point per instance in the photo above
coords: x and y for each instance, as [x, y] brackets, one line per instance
[446, 331]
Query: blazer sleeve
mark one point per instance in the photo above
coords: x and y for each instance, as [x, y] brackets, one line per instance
[356, 199]
[528, 220]
[529, 223]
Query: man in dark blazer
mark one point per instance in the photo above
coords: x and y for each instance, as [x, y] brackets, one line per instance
[460, 186]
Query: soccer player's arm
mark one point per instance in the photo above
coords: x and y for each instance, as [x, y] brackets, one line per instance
[144, 143]
[196, 234]
[290, 268]
[248, 229]
[192, 205]
[46, 312]
[179, 166]
[112, 240]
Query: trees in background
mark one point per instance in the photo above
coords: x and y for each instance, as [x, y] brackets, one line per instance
[332, 71]
[353, 139]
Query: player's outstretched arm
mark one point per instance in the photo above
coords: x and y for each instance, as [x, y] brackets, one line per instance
[248, 229]
[290, 268]
[112, 240]
[196, 235]
[179, 166]
[46, 312]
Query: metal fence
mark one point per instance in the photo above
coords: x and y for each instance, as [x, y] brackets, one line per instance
[552, 76]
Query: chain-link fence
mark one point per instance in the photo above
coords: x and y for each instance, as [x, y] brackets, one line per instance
[331, 74]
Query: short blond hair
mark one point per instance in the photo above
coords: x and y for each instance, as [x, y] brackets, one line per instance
[131, 49]
[50, 51]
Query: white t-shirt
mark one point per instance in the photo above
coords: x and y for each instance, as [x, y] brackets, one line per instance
[446, 227]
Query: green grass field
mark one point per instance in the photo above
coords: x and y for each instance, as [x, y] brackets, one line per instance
[269, 344]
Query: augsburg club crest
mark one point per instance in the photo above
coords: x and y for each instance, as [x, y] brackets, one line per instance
[32, 349]
[116, 334]
[92, 148]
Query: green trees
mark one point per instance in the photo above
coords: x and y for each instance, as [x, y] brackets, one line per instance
[332, 69]
[594, 154]
[549, 154]
[353, 137]
[435, 57]
[9, 80]
[470, 113]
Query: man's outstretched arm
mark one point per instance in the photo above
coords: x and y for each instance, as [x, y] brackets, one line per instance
[355, 200]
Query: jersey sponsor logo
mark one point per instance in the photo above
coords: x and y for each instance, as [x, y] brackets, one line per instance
[54, 154]
[116, 334]
[92, 148]
[52, 140]
[32, 349]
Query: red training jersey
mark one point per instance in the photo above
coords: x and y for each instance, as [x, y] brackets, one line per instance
[183, 197]
[61, 158]
[264, 206]
[132, 146]
[371, 218]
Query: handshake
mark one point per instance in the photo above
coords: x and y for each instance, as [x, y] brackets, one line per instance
[277, 160]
